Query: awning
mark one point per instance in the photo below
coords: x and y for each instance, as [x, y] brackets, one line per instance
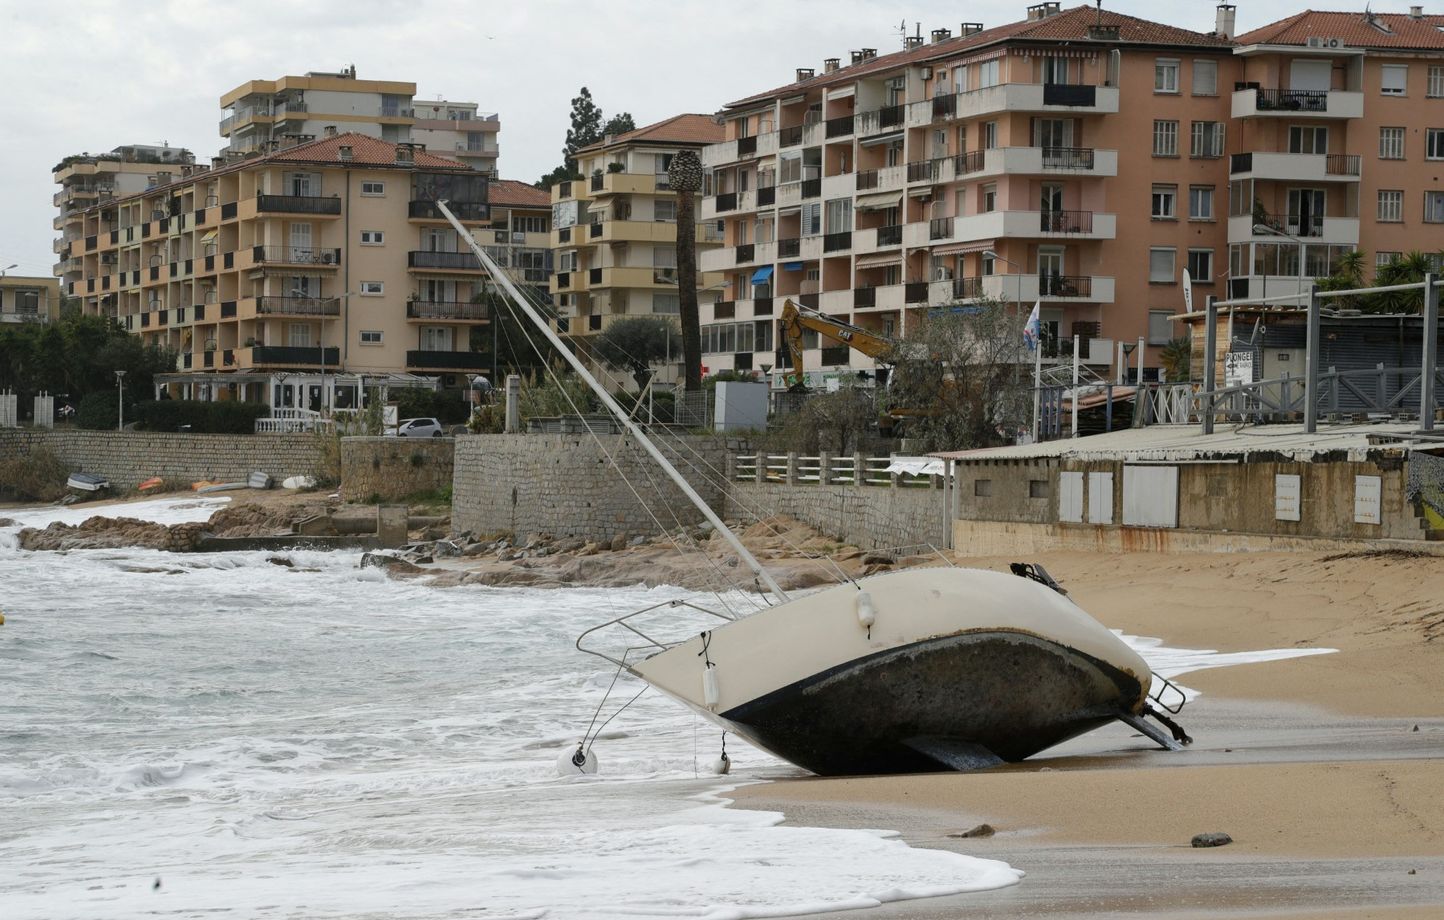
[961, 249]
[762, 274]
[920, 191]
[208, 236]
[873, 261]
[878, 201]
[793, 266]
[882, 139]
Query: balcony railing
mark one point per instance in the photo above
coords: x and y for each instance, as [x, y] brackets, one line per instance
[767, 195]
[746, 252]
[1067, 157]
[455, 260]
[310, 355]
[889, 236]
[836, 242]
[1069, 94]
[970, 162]
[1292, 100]
[298, 306]
[464, 210]
[435, 309]
[598, 181]
[295, 255]
[727, 201]
[1304, 225]
[448, 360]
[915, 292]
[1342, 164]
[841, 126]
[790, 137]
[1065, 221]
[891, 116]
[789, 248]
[867, 179]
[833, 355]
[747, 146]
[923, 171]
[864, 297]
[945, 106]
[1065, 285]
[298, 204]
[940, 228]
[811, 188]
[1240, 162]
[967, 288]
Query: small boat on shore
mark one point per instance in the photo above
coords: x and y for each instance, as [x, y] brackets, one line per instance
[918, 670]
[87, 482]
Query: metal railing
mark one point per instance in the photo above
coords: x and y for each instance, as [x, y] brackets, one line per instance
[298, 204]
[296, 255]
[1065, 221]
[298, 306]
[454, 309]
[1067, 157]
[1291, 100]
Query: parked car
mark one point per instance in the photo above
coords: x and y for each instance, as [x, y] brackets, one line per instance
[419, 428]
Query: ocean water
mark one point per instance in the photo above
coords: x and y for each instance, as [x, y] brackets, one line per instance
[217, 735]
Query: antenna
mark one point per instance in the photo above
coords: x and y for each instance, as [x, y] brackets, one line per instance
[902, 31]
[1100, 12]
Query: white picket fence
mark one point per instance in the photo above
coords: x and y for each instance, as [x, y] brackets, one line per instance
[827, 469]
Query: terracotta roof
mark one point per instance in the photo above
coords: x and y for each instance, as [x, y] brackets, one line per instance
[679, 129]
[1378, 30]
[365, 151]
[1066, 26]
[511, 193]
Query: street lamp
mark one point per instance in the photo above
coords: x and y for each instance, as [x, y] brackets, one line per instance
[1271, 231]
[120, 403]
[8, 267]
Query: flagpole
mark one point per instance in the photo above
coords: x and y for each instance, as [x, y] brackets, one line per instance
[1037, 385]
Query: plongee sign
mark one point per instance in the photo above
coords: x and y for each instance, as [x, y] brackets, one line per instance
[1286, 497]
[1367, 492]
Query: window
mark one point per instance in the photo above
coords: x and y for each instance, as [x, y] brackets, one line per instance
[790, 169]
[1038, 488]
[988, 73]
[1391, 143]
[1161, 264]
[1165, 199]
[989, 201]
[1055, 70]
[373, 237]
[1165, 138]
[665, 304]
[1207, 139]
[373, 189]
[1391, 205]
[812, 218]
[1205, 78]
[373, 288]
[1308, 139]
[370, 337]
[1394, 79]
[839, 215]
[1382, 258]
[982, 488]
[1160, 327]
[988, 265]
[567, 261]
[1200, 202]
[1434, 207]
[990, 135]
[1436, 81]
[524, 224]
[664, 210]
[1200, 266]
[1165, 76]
[298, 335]
[664, 257]
[1434, 144]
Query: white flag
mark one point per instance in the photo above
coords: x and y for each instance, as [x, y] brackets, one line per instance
[1034, 328]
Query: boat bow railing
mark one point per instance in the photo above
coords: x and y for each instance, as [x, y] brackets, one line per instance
[649, 645]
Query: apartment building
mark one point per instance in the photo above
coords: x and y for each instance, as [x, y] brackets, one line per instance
[89, 179]
[520, 238]
[259, 113]
[273, 274]
[615, 230]
[29, 299]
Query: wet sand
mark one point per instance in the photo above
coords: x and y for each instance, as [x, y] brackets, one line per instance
[1314, 765]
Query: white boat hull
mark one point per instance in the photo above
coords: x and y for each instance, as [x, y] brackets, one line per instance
[962, 667]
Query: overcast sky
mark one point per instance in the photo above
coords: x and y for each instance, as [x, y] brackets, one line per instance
[89, 75]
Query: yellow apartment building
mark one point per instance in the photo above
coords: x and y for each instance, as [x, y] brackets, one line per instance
[29, 299]
[614, 231]
[1081, 159]
[293, 276]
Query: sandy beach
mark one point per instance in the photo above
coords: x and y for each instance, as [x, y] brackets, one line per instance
[1313, 765]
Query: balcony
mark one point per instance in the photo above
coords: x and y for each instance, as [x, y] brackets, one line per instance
[789, 137]
[441, 311]
[445, 261]
[840, 127]
[298, 306]
[465, 211]
[294, 255]
[884, 179]
[1016, 97]
[448, 361]
[1296, 167]
[1342, 231]
[287, 356]
[297, 204]
[837, 242]
[725, 202]
[1257, 102]
[1065, 222]
[629, 184]
[638, 276]
[1026, 289]
[1072, 225]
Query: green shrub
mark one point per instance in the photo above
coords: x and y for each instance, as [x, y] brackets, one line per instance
[37, 476]
[99, 410]
[199, 417]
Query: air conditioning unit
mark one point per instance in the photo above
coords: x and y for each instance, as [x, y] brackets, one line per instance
[927, 73]
[1318, 41]
[328, 257]
[942, 274]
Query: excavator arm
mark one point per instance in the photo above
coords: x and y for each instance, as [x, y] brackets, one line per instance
[797, 318]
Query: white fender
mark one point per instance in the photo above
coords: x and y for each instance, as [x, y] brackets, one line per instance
[866, 613]
[711, 691]
[722, 765]
[576, 762]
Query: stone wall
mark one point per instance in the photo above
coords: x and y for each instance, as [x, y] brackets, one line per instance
[387, 469]
[1005, 538]
[567, 486]
[128, 458]
[870, 517]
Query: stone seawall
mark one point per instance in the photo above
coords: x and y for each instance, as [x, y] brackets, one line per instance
[387, 469]
[870, 517]
[128, 458]
[567, 486]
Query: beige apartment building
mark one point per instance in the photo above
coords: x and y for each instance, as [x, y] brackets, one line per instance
[614, 231]
[293, 276]
[520, 238]
[259, 113]
[1081, 159]
[29, 299]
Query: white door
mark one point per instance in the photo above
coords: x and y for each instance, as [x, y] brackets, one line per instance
[1100, 498]
[1150, 496]
[1310, 75]
[1070, 498]
[300, 243]
[436, 338]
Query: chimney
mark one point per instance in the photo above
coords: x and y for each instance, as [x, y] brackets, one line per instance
[941, 35]
[1043, 10]
[1416, 12]
[913, 41]
[1223, 27]
[345, 153]
[970, 28]
[831, 64]
[805, 73]
[329, 130]
[856, 57]
[405, 153]
[217, 162]
[868, 53]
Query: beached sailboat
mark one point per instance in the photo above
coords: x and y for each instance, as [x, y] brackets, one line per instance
[910, 671]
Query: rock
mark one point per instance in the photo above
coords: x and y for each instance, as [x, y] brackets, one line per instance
[1416, 728]
[982, 830]
[1212, 840]
[392, 564]
[619, 542]
[588, 549]
[1413, 871]
[281, 561]
[569, 546]
[705, 527]
[878, 559]
[638, 540]
[6, 522]
[446, 548]
[474, 549]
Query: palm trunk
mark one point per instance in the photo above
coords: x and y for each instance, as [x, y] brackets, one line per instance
[687, 290]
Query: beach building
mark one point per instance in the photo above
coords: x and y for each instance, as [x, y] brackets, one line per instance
[272, 274]
[258, 113]
[1081, 159]
[615, 230]
[29, 299]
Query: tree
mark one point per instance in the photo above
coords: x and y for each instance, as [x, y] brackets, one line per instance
[1409, 268]
[955, 380]
[1177, 359]
[633, 343]
[619, 124]
[685, 178]
[586, 129]
[1348, 275]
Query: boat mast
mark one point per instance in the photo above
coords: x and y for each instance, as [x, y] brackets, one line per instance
[501, 278]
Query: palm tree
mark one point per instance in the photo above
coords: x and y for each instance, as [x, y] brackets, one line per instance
[1409, 268]
[685, 177]
[1348, 275]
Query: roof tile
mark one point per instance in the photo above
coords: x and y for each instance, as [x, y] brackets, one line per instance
[679, 129]
[512, 193]
[1358, 30]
